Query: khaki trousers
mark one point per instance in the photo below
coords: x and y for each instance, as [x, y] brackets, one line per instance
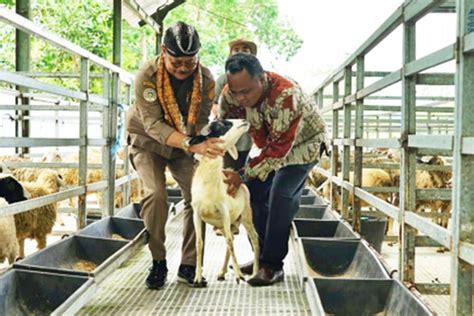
[151, 169]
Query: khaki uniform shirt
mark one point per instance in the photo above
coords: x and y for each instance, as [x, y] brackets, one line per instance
[145, 123]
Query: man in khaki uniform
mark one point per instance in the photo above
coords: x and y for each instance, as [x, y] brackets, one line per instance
[174, 95]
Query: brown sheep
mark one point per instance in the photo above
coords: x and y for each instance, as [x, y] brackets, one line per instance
[38, 223]
[371, 178]
[9, 248]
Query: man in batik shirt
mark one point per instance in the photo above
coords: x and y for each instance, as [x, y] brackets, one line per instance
[289, 131]
[173, 99]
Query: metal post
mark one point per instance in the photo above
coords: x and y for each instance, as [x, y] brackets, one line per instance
[408, 167]
[390, 125]
[335, 148]
[117, 33]
[320, 99]
[428, 123]
[358, 151]
[22, 63]
[463, 171]
[111, 140]
[158, 38]
[346, 162]
[106, 135]
[83, 118]
[126, 163]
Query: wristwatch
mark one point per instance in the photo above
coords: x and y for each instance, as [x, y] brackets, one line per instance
[185, 144]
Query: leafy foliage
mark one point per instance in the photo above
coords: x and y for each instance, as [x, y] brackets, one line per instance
[88, 23]
[219, 22]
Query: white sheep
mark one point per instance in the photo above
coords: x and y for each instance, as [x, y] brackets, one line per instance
[211, 203]
[8, 243]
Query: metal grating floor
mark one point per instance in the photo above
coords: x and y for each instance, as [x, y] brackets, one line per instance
[124, 292]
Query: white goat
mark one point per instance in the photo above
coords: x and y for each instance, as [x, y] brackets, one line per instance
[212, 204]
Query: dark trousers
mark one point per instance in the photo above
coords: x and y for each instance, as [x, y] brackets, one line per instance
[275, 202]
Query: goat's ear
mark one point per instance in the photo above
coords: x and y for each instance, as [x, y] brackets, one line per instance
[233, 152]
[198, 157]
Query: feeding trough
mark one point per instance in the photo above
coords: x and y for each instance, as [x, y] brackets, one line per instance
[347, 259]
[315, 212]
[322, 229]
[133, 210]
[79, 255]
[365, 297]
[41, 293]
[115, 228]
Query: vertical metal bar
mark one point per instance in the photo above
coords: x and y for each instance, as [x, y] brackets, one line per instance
[358, 134]
[22, 63]
[377, 126]
[158, 38]
[390, 125]
[112, 139]
[126, 163]
[408, 167]
[463, 171]
[346, 162]
[117, 33]
[320, 99]
[83, 118]
[106, 152]
[428, 124]
[335, 148]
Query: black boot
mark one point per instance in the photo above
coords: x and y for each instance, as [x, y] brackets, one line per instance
[157, 277]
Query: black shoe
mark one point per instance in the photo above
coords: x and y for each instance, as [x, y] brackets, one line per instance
[266, 276]
[156, 279]
[186, 274]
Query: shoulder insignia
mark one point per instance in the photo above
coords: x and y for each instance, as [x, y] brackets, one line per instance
[149, 94]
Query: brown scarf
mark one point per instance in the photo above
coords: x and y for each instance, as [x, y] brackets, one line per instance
[168, 100]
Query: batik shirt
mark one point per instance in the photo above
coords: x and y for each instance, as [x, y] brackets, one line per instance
[286, 126]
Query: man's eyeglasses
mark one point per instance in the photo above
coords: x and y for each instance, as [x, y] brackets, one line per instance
[189, 64]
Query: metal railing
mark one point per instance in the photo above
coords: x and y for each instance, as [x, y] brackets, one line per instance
[352, 105]
[83, 101]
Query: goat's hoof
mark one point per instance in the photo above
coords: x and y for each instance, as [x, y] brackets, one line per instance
[199, 284]
[238, 279]
[221, 278]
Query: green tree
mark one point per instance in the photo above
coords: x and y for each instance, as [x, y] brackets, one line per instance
[219, 22]
[88, 23]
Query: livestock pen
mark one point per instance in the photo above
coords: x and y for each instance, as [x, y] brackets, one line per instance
[410, 112]
[422, 107]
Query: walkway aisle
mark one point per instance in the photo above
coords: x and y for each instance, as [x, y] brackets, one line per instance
[124, 292]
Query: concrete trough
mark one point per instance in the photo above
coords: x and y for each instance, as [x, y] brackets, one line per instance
[346, 259]
[333, 229]
[316, 212]
[365, 297]
[41, 293]
[79, 255]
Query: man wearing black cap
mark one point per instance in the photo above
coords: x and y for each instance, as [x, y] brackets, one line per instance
[173, 99]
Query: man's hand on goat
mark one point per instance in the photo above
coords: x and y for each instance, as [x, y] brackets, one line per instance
[209, 148]
[233, 180]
